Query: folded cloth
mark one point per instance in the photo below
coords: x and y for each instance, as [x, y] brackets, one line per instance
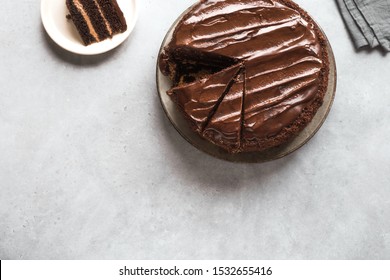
[368, 21]
[361, 21]
[377, 14]
[355, 30]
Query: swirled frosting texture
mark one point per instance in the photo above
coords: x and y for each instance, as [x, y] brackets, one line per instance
[281, 54]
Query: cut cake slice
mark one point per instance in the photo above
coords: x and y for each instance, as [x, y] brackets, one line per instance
[198, 100]
[96, 20]
[224, 128]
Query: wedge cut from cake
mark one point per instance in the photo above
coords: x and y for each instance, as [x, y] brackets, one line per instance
[224, 127]
[283, 71]
[96, 20]
[199, 100]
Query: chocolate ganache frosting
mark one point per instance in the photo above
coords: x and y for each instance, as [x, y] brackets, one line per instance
[248, 75]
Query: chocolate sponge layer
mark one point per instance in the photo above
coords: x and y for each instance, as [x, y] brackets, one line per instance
[96, 20]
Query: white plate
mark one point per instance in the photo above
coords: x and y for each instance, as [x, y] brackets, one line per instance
[64, 33]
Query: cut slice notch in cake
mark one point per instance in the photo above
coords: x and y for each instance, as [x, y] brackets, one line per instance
[96, 20]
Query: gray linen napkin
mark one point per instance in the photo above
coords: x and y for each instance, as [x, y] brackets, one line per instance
[355, 31]
[361, 21]
[368, 21]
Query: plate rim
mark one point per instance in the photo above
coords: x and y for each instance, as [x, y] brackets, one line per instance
[84, 50]
[255, 157]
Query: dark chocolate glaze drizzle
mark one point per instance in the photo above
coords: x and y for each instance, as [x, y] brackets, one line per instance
[280, 53]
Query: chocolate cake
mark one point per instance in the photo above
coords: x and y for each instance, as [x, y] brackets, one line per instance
[96, 20]
[248, 75]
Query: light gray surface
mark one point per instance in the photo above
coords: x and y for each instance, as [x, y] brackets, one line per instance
[91, 168]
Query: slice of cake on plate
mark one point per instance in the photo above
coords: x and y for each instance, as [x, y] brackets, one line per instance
[96, 20]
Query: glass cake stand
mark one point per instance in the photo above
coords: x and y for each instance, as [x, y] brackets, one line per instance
[179, 122]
